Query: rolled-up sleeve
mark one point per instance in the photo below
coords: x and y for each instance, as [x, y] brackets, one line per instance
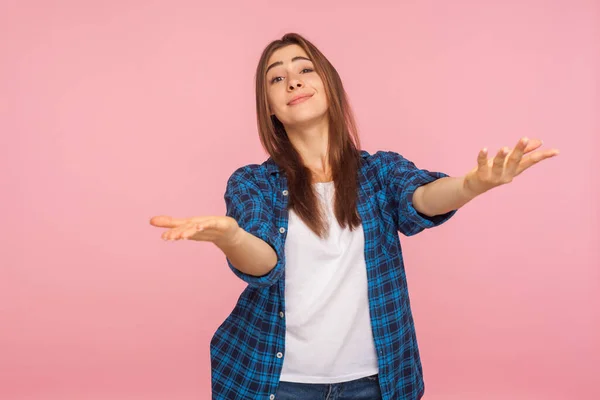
[401, 178]
[245, 202]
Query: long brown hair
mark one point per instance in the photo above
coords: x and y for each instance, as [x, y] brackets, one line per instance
[344, 143]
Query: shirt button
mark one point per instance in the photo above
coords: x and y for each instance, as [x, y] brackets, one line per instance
[281, 230]
[281, 314]
[285, 193]
[279, 355]
[272, 397]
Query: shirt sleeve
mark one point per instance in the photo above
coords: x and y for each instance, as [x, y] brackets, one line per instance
[246, 204]
[401, 178]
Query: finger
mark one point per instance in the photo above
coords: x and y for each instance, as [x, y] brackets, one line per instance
[498, 166]
[166, 235]
[482, 158]
[169, 235]
[165, 221]
[531, 159]
[176, 233]
[533, 144]
[515, 157]
[191, 231]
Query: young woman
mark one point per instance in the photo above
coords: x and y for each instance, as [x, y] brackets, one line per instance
[314, 232]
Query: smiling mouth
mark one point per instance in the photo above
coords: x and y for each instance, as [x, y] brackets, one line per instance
[300, 100]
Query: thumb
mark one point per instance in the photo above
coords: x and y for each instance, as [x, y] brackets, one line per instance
[165, 221]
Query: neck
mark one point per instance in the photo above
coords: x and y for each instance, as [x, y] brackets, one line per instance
[312, 143]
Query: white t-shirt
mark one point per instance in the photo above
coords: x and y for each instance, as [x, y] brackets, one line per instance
[328, 328]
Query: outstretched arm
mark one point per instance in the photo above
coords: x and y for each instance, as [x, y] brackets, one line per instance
[451, 193]
[248, 253]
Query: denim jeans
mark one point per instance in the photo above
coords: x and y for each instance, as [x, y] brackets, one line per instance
[366, 388]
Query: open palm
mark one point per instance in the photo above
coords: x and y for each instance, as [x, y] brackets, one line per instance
[216, 229]
[506, 165]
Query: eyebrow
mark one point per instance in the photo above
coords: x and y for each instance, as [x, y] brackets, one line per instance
[281, 62]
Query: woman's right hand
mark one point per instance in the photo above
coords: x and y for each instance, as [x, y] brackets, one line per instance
[220, 230]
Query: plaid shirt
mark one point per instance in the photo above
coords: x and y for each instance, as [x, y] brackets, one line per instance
[248, 348]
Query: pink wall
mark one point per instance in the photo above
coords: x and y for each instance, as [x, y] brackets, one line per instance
[112, 112]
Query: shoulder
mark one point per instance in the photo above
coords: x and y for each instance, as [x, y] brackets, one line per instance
[381, 160]
[254, 175]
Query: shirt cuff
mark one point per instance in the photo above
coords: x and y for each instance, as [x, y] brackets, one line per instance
[274, 274]
[423, 221]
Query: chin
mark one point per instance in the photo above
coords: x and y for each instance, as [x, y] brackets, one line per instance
[303, 117]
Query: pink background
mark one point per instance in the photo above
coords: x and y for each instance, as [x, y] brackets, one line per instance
[112, 112]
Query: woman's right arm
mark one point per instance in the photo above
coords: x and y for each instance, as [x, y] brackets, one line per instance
[248, 253]
[248, 235]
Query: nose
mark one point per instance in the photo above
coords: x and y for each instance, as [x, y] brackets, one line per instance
[295, 84]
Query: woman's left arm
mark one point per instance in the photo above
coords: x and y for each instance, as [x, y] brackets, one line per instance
[450, 193]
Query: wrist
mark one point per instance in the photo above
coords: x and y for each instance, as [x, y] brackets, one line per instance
[231, 241]
[471, 186]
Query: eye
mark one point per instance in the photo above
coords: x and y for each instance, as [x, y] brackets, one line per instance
[279, 78]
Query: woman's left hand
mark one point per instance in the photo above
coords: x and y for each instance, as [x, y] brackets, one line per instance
[505, 166]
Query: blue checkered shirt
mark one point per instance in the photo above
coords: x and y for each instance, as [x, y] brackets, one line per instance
[248, 348]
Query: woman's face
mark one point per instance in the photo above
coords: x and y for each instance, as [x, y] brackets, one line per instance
[295, 92]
